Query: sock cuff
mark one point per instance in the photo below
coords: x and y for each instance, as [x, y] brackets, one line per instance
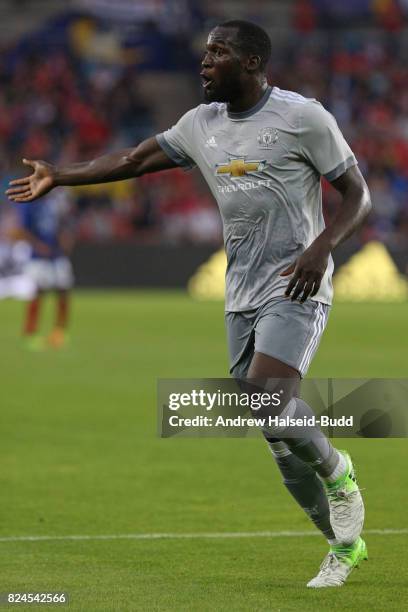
[279, 449]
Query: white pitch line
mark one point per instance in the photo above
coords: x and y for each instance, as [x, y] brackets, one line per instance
[190, 536]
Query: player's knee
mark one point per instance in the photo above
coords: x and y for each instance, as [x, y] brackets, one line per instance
[276, 394]
[271, 400]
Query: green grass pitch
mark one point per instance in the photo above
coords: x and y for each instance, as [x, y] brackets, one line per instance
[79, 455]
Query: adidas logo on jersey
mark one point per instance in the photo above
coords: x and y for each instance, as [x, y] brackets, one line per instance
[211, 142]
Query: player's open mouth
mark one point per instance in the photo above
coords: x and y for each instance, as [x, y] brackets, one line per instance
[206, 81]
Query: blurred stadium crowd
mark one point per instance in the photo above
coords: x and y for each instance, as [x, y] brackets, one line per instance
[70, 90]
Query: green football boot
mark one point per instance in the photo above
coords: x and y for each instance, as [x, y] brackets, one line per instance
[338, 565]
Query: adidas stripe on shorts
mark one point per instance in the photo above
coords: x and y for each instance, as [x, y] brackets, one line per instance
[289, 331]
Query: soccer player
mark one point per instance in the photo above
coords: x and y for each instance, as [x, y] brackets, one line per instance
[44, 227]
[13, 257]
[263, 152]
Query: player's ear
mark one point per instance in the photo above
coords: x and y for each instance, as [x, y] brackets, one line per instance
[253, 63]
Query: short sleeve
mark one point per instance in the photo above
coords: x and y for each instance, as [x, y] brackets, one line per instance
[321, 142]
[177, 142]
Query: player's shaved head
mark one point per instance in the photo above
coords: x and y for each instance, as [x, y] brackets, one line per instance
[250, 39]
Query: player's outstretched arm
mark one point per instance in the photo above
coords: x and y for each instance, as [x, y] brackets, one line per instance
[310, 267]
[125, 164]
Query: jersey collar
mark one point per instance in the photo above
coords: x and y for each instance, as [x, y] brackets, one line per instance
[254, 109]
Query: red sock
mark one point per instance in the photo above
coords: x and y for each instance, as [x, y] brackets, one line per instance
[32, 316]
[62, 310]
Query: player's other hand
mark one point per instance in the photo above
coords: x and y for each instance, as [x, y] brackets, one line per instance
[307, 271]
[31, 187]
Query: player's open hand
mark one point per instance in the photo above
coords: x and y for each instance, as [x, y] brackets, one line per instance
[308, 271]
[29, 188]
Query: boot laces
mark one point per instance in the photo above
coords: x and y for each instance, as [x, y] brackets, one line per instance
[330, 562]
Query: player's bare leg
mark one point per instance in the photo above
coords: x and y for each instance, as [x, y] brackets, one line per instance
[58, 337]
[316, 474]
[31, 322]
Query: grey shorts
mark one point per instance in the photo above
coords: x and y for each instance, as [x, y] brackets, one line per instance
[289, 331]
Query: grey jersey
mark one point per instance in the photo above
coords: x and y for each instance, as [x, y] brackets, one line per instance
[263, 167]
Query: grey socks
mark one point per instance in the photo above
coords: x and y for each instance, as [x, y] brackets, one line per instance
[305, 486]
[305, 457]
[307, 442]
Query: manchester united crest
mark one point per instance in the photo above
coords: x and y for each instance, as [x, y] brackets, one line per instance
[267, 137]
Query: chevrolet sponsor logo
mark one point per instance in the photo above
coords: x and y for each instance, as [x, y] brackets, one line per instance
[239, 167]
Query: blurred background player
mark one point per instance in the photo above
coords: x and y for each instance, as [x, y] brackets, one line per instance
[47, 230]
[14, 255]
